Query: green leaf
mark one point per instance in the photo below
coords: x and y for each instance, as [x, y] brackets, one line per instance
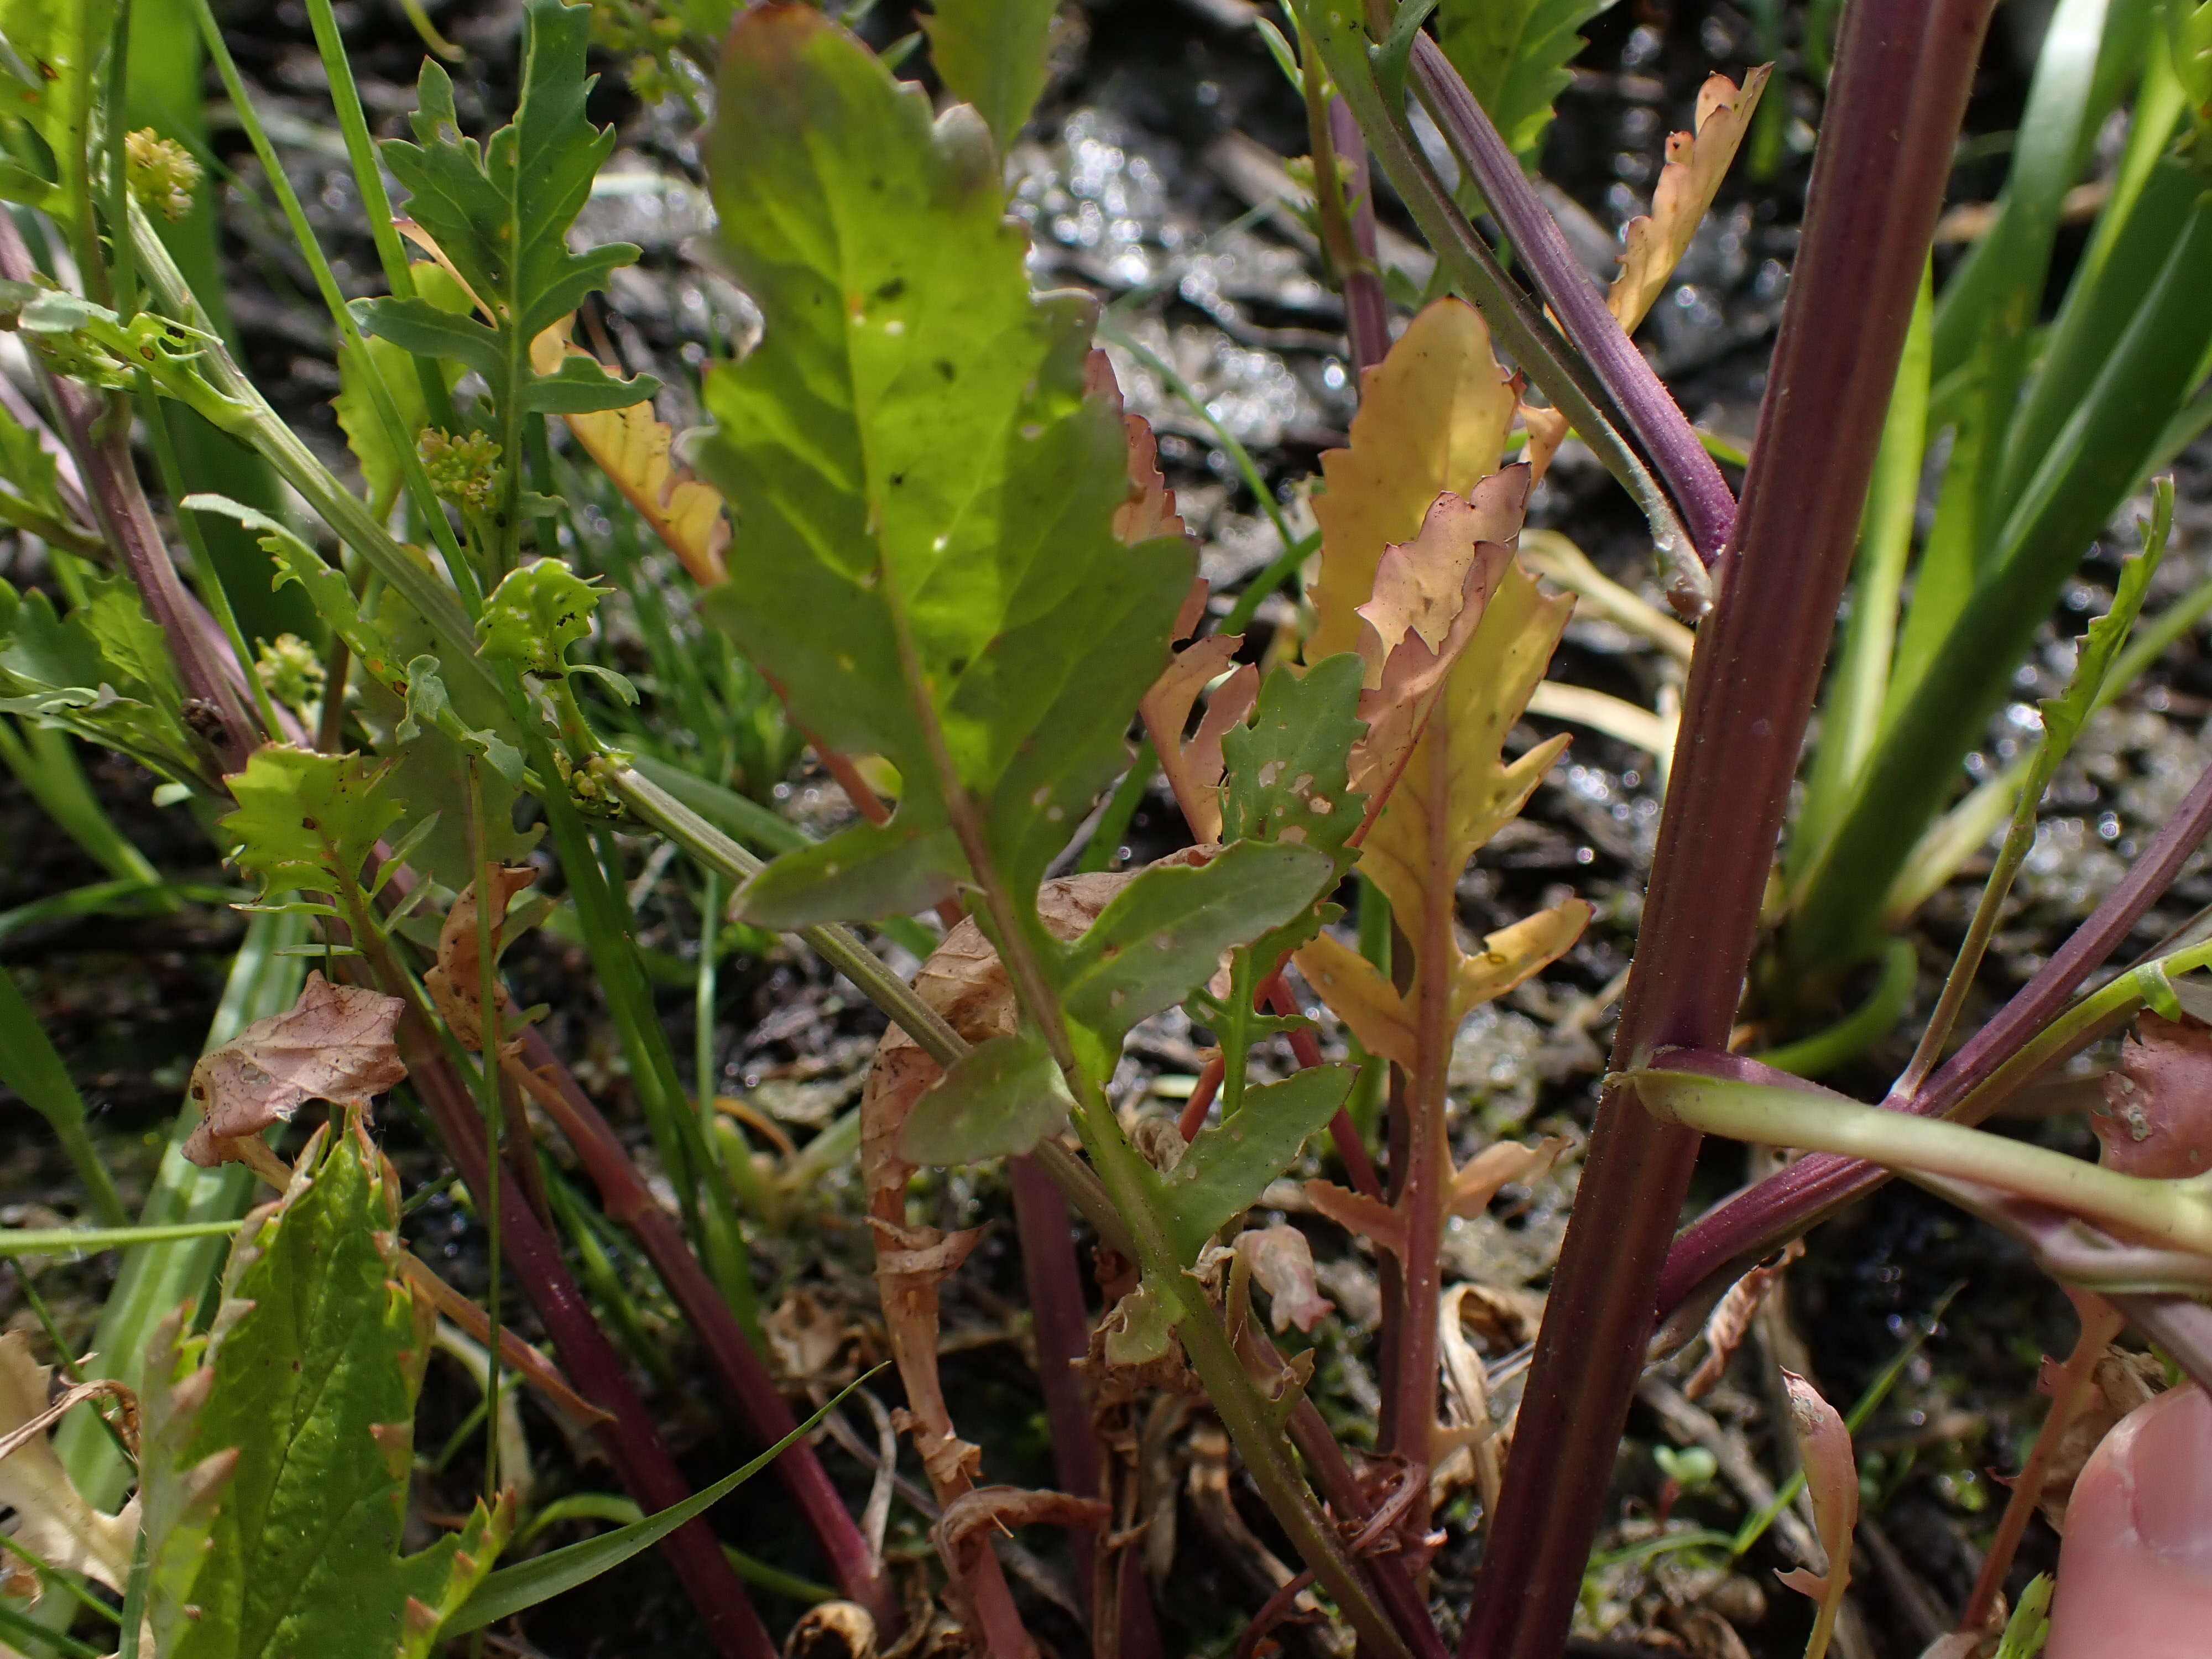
[1287, 777]
[60, 43]
[2029, 1627]
[500, 212]
[305, 821]
[1000, 1098]
[537, 612]
[381, 469]
[2065, 715]
[925, 494]
[309, 1382]
[1165, 932]
[1230, 1164]
[526, 1584]
[1513, 55]
[57, 670]
[991, 53]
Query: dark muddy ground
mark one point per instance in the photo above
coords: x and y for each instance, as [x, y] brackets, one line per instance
[1140, 155]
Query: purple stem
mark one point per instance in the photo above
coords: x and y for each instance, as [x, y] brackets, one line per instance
[639, 1458]
[1902, 76]
[1762, 1218]
[759, 1404]
[1654, 419]
[1366, 316]
[97, 431]
[1054, 1277]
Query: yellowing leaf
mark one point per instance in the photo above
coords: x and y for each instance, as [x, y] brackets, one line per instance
[1695, 166]
[334, 1044]
[53, 1521]
[1432, 418]
[1511, 954]
[632, 448]
[1193, 766]
[1365, 1002]
[1151, 509]
[1459, 790]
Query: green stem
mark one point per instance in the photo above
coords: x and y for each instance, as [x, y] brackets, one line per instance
[2174, 1213]
[1860, 1030]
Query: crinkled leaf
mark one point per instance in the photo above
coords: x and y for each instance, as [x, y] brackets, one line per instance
[1000, 1098]
[535, 614]
[456, 983]
[991, 53]
[305, 821]
[1165, 933]
[335, 1043]
[1226, 1169]
[918, 479]
[309, 1383]
[500, 212]
[1514, 55]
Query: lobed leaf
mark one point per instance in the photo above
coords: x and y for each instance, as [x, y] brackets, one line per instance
[991, 53]
[925, 558]
[277, 1487]
[1654, 243]
[499, 214]
[1513, 55]
[305, 821]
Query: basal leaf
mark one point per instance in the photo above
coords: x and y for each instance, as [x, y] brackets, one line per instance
[1000, 1098]
[924, 494]
[1226, 1169]
[1164, 934]
[500, 213]
[991, 53]
[306, 1392]
[305, 821]
[1513, 55]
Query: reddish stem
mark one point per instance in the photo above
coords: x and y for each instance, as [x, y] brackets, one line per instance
[1201, 1097]
[1306, 1048]
[1755, 1222]
[760, 1404]
[1366, 313]
[1903, 73]
[628, 1436]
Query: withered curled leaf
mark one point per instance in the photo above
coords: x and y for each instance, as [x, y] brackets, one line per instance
[456, 983]
[53, 1521]
[335, 1043]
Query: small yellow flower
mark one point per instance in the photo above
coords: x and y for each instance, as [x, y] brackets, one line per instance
[462, 470]
[162, 172]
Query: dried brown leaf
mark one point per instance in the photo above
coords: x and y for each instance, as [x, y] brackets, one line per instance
[334, 1044]
[2121, 1382]
[1281, 1260]
[2157, 1117]
[1832, 1480]
[53, 1521]
[1151, 509]
[1730, 1320]
[456, 984]
[1501, 1165]
[1655, 244]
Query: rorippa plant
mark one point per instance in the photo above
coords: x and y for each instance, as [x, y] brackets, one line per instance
[949, 554]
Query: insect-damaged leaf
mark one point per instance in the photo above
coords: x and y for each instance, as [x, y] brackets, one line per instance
[307, 820]
[1001, 1097]
[305, 1390]
[924, 494]
[334, 1044]
[456, 983]
[500, 213]
[535, 614]
[1288, 777]
[1230, 1164]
